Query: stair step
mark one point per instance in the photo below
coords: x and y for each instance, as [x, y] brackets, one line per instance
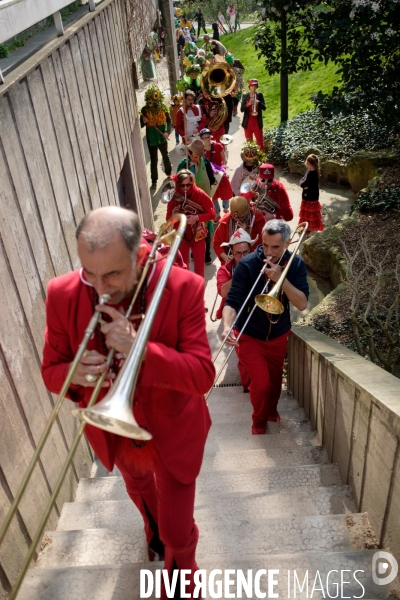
[256, 459]
[243, 427]
[122, 582]
[252, 534]
[228, 440]
[257, 480]
[233, 412]
[269, 478]
[123, 514]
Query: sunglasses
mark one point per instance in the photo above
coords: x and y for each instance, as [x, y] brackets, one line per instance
[268, 180]
[185, 185]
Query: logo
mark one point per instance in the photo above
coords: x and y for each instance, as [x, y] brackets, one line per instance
[384, 568]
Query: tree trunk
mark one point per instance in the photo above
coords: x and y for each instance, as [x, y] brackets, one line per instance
[284, 75]
[165, 7]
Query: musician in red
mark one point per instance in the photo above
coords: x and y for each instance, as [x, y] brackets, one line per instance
[209, 109]
[238, 247]
[253, 105]
[241, 215]
[199, 209]
[215, 153]
[176, 372]
[280, 208]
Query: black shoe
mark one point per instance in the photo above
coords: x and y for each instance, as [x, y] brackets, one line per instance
[246, 391]
[208, 260]
[153, 185]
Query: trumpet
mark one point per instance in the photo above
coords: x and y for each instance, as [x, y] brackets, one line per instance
[267, 302]
[254, 105]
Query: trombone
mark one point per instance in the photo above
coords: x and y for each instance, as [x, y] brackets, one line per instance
[121, 386]
[270, 303]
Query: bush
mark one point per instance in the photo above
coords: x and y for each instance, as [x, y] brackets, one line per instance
[3, 51]
[378, 200]
[337, 136]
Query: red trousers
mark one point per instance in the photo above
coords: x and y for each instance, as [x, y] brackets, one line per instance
[167, 505]
[199, 252]
[263, 362]
[244, 376]
[253, 128]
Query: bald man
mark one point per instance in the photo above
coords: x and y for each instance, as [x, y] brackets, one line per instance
[177, 370]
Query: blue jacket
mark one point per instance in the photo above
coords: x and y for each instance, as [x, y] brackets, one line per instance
[260, 325]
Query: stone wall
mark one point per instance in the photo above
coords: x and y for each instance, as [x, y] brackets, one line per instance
[69, 142]
[355, 407]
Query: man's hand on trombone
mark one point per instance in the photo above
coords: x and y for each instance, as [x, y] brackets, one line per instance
[229, 315]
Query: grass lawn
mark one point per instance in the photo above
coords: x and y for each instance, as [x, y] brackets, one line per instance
[301, 85]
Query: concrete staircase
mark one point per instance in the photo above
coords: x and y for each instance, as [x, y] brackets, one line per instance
[263, 502]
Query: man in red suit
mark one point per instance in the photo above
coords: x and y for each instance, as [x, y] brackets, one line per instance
[177, 370]
[274, 190]
[240, 215]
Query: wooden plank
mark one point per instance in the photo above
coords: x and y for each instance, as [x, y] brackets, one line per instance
[80, 124]
[109, 84]
[52, 162]
[98, 115]
[92, 132]
[39, 177]
[15, 434]
[98, 80]
[114, 59]
[19, 253]
[21, 183]
[73, 134]
[24, 371]
[118, 23]
[77, 188]
[15, 546]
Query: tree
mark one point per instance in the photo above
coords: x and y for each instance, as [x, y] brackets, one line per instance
[363, 38]
[279, 39]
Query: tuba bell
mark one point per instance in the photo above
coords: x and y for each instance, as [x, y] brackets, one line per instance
[218, 80]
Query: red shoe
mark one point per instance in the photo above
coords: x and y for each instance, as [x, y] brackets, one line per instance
[258, 430]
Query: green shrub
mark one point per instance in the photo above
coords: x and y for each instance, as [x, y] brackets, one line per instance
[3, 51]
[338, 136]
[378, 200]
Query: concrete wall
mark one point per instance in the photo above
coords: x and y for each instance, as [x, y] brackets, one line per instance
[355, 407]
[69, 142]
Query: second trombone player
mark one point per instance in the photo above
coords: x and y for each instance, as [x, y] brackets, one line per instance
[263, 344]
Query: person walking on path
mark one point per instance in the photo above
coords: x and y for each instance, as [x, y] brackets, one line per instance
[253, 105]
[310, 209]
[200, 22]
[155, 116]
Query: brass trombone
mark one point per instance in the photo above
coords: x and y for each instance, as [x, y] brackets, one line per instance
[267, 302]
[121, 386]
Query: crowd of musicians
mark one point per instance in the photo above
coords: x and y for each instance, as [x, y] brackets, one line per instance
[250, 213]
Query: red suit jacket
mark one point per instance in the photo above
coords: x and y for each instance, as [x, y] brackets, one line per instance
[221, 234]
[175, 375]
[277, 192]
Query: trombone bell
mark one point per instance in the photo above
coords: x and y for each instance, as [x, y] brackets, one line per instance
[269, 304]
[113, 414]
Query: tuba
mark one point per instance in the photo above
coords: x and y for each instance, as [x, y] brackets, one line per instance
[218, 80]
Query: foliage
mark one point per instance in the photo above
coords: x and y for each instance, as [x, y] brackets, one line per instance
[279, 19]
[4, 52]
[69, 10]
[362, 37]
[303, 83]
[337, 137]
[382, 200]
[372, 312]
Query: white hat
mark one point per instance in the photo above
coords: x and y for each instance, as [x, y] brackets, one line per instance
[239, 237]
[181, 149]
